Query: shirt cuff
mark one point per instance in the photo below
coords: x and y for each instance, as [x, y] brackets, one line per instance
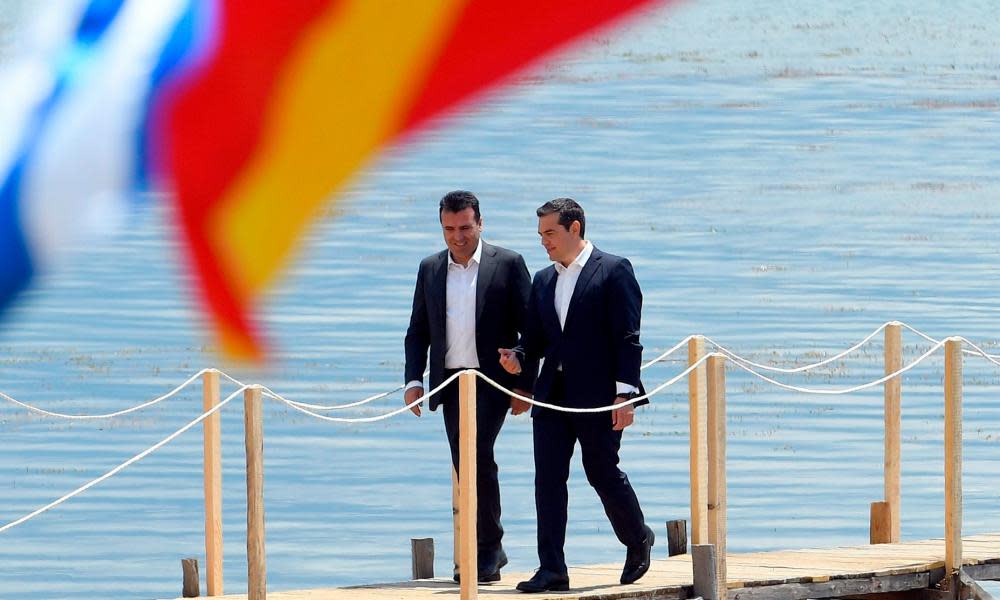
[413, 384]
[624, 388]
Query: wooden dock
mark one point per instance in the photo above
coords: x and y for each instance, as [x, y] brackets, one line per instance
[914, 569]
[887, 569]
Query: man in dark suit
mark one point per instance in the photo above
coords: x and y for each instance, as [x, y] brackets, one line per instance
[583, 319]
[470, 300]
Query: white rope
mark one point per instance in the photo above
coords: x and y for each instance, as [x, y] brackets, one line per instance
[609, 407]
[231, 379]
[512, 394]
[306, 405]
[980, 352]
[108, 415]
[348, 405]
[667, 353]
[341, 406]
[125, 464]
[298, 406]
[849, 390]
[977, 351]
[920, 333]
[746, 361]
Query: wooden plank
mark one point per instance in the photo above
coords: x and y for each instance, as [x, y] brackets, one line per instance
[253, 422]
[891, 458]
[677, 537]
[698, 438]
[191, 586]
[814, 572]
[212, 427]
[842, 587]
[422, 558]
[716, 424]
[880, 530]
[953, 453]
[467, 485]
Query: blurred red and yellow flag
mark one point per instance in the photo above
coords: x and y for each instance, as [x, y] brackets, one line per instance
[256, 112]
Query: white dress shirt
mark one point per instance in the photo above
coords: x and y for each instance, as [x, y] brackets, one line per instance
[460, 314]
[565, 285]
[566, 281]
[460, 320]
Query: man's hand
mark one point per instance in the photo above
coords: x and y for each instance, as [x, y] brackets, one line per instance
[509, 361]
[622, 417]
[518, 406]
[410, 396]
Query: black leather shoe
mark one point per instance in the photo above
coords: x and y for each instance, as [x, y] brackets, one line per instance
[489, 566]
[545, 581]
[637, 559]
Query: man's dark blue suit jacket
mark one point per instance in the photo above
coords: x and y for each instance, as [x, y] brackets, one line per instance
[599, 344]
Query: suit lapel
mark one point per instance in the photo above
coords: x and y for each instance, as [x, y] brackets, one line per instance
[439, 285]
[487, 268]
[593, 264]
[548, 309]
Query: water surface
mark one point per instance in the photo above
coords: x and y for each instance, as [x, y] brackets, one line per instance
[785, 179]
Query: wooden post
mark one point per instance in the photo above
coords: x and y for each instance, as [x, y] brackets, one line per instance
[893, 396]
[191, 587]
[254, 429]
[697, 409]
[213, 485]
[456, 521]
[468, 568]
[717, 529]
[880, 532]
[422, 555]
[706, 577]
[953, 454]
[677, 537]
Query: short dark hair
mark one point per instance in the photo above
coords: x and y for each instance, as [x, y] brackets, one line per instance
[458, 201]
[568, 210]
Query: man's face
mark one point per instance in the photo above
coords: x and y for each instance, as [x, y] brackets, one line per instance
[461, 233]
[562, 244]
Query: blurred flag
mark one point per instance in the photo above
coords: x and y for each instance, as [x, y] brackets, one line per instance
[252, 114]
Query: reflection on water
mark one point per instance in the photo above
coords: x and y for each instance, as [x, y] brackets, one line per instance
[784, 178]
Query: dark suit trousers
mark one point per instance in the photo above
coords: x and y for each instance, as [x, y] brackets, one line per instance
[491, 409]
[555, 435]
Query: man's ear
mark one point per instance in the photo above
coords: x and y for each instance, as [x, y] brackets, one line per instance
[574, 227]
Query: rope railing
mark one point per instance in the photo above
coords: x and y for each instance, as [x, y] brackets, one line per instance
[267, 392]
[803, 368]
[119, 413]
[849, 390]
[305, 408]
[715, 366]
[124, 465]
[744, 363]
[301, 408]
[666, 354]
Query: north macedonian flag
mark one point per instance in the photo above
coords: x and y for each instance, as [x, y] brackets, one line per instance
[250, 114]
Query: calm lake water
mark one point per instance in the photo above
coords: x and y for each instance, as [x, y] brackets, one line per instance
[785, 177]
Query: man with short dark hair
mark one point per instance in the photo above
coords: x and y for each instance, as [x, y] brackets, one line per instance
[583, 319]
[469, 302]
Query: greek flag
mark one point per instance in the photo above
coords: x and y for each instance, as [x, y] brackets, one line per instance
[74, 117]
